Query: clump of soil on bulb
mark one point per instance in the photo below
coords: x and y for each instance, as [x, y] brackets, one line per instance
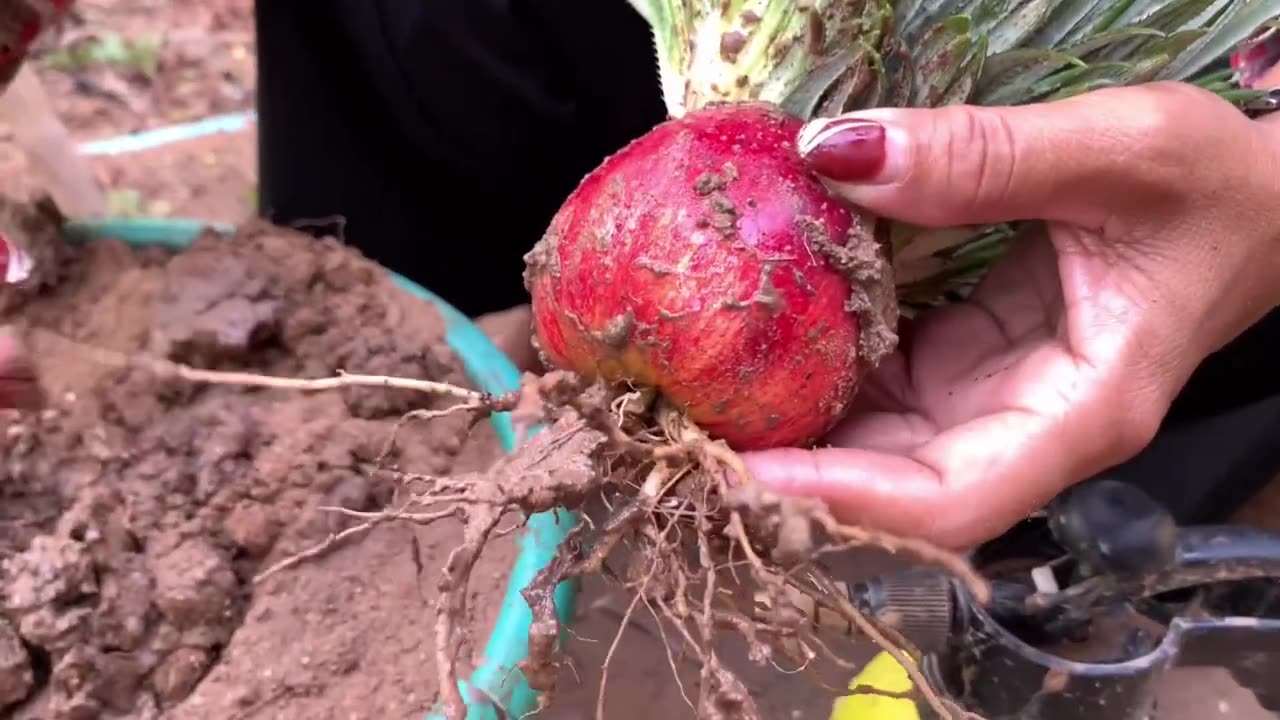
[135, 512]
[191, 455]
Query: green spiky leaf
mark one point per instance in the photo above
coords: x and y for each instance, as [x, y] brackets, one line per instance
[803, 101]
[1006, 76]
[940, 57]
[1014, 28]
[823, 57]
[1066, 16]
[966, 78]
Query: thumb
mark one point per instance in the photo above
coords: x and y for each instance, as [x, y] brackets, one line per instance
[1071, 160]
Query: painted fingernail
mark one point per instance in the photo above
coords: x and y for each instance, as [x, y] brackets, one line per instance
[21, 394]
[19, 387]
[844, 149]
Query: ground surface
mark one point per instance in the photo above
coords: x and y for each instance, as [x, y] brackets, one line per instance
[128, 65]
[170, 620]
[136, 513]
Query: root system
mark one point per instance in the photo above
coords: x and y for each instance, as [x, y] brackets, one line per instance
[695, 541]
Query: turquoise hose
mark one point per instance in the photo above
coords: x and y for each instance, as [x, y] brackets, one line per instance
[497, 689]
[168, 134]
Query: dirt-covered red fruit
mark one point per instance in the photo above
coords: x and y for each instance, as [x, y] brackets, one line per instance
[704, 260]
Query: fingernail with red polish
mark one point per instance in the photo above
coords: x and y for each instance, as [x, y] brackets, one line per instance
[21, 394]
[844, 149]
[19, 387]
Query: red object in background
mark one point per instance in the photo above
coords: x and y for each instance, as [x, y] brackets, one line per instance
[1257, 58]
[7, 254]
[15, 264]
[21, 23]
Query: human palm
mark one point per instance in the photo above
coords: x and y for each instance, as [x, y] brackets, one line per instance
[969, 361]
[1063, 361]
[991, 379]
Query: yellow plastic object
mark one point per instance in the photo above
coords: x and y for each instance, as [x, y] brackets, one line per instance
[885, 674]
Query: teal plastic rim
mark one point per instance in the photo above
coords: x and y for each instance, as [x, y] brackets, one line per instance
[497, 689]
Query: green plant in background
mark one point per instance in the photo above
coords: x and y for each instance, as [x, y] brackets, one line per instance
[124, 203]
[139, 54]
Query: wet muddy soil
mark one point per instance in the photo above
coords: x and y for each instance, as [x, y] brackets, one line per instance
[135, 512]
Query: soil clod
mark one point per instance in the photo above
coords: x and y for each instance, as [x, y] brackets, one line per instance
[137, 508]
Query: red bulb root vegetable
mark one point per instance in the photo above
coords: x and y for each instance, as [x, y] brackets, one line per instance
[705, 261]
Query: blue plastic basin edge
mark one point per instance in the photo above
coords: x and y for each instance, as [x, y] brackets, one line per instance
[497, 689]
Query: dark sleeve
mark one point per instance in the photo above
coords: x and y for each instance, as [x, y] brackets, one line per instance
[1220, 443]
[446, 134]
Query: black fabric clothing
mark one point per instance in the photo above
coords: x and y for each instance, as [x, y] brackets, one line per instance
[1220, 442]
[446, 133]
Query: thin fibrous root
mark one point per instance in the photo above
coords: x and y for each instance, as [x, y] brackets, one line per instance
[684, 507]
[371, 520]
[164, 369]
[452, 606]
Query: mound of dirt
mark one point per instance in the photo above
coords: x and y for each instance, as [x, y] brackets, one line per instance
[135, 513]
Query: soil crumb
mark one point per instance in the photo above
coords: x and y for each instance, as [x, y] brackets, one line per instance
[134, 513]
[862, 259]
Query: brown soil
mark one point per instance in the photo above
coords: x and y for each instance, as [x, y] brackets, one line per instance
[124, 65]
[121, 66]
[135, 513]
[212, 178]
